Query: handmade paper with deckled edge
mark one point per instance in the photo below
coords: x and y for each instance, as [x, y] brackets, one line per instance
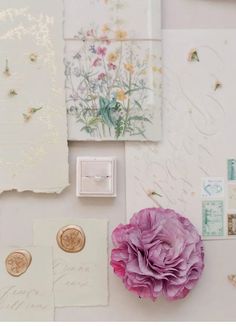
[113, 84]
[199, 125]
[28, 297]
[80, 279]
[33, 152]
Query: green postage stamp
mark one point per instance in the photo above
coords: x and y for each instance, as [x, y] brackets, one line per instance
[213, 218]
[231, 170]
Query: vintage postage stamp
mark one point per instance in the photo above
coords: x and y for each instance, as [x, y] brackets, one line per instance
[213, 187]
[213, 218]
[232, 196]
[232, 169]
[231, 224]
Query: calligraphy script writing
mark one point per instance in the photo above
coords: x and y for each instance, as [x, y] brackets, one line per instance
[14, 298]
[71, 275]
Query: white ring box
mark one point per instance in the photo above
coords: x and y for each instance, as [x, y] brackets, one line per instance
[96, 177]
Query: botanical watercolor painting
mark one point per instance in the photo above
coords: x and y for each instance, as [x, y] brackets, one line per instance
[113, 69]
[113, 89]
[98, 19]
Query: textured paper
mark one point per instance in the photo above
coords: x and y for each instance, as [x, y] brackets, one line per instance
[32, 144]
[28, 297]
[199, 124]
[87, 19]
[80, 279]
[113, 90]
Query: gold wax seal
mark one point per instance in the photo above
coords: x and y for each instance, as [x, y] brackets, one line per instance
[17, 262]
[71, 238]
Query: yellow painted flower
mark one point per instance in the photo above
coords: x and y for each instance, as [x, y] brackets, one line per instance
[112, 57]
[121, 35]
[143, 72]
[156, 69]
[106, 28]
[129, 67]
[120, 95]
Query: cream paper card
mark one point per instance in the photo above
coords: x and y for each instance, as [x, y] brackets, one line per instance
[33, 133]
[199, 126]
[28, 297]
[80, 279]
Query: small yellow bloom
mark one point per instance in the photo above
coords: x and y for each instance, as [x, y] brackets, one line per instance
[121, 35]
[112, 57]
[129, 67]
[106, 28]
[120, 95]
[33, 57]
[143, 72]
[156, 69]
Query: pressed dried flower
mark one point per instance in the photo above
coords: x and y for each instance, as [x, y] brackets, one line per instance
[193, 56]
[33, 57]
[7, 70]
[217, 85]
[27, 116]
[151, 193]
[12, 92]
[232, 279]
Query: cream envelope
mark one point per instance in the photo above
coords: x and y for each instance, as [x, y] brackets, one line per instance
[33, 133]
[28, 297]
[87, 19]
[80, 279]
[199, 125]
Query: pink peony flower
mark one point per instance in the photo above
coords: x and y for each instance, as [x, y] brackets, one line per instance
[101, 51]
[158, 252]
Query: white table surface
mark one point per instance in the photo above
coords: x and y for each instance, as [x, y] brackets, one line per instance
[212, 299]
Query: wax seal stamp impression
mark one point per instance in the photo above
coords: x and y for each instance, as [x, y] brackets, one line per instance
[71, 238]
[17, 262]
